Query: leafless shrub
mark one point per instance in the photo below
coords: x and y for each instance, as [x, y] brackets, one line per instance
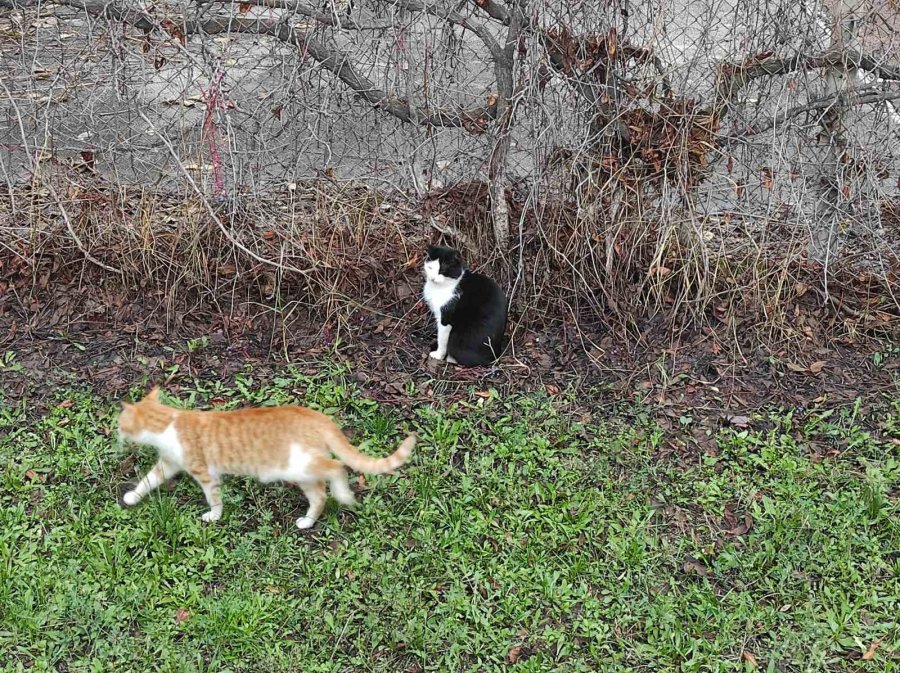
[695, 160]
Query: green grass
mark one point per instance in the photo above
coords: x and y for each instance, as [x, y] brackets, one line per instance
[516, 533]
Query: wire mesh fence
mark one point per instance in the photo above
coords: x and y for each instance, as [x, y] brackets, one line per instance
[654, 154]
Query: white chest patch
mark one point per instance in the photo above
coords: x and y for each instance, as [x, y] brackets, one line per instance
[436, 295]
[166, 442]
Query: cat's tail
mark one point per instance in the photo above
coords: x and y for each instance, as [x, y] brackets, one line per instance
[360, 462]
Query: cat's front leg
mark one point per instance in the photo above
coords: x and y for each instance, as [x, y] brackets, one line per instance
[160, 474]
[212, 491]
[443, 339]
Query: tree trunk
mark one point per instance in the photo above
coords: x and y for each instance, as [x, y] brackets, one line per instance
[832, 207]
[504, 69]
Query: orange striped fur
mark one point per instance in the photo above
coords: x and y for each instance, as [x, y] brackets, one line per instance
[287, 443]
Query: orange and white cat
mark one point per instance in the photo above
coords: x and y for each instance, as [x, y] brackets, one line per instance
[286, 443]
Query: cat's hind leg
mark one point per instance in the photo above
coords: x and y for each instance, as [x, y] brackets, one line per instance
[335, 474]
[472, 357]
[340, 487]
[160, 474]
[315, 494]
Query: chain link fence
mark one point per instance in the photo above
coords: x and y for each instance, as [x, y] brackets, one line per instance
[614, 145]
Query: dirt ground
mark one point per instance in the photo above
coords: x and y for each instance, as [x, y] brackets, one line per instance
[85, 335]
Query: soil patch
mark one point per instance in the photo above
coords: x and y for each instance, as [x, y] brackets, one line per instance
[690, 375]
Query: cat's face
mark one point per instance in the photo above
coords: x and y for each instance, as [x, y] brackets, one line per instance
[442, 265]
[131, 418]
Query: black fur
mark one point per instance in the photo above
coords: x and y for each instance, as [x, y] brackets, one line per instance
[477, 313]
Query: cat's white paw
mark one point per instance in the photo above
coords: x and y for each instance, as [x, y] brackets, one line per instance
[305, 522]
[131, 498]
[437, 355]
[211, 516]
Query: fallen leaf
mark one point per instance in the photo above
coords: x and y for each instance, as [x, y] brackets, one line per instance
[412, 261]
[695, 567]
[182, 615]
[817, 366]
[750, 659]
[796, 368]
[738, 421]
[870, 653]
[244, 7]
[404, 290]
[88, 157]
[514, 654]
[173, 29]
[742, 528]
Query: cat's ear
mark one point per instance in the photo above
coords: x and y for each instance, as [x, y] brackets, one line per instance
[153, 394]
[456, 257]
[125, 405]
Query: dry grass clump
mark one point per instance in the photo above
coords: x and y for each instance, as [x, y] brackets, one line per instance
[326, 250]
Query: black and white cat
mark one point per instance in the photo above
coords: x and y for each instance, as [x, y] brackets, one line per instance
[470, 310]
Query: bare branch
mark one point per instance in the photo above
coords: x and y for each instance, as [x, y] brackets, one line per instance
[212, 213]
[452, 16]
[495, 10]
[557, 59]
[862, 97]
[84, 251]
[339, 63]
[302, 9]
[472, 119]
[325, 18]
[734, 77]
